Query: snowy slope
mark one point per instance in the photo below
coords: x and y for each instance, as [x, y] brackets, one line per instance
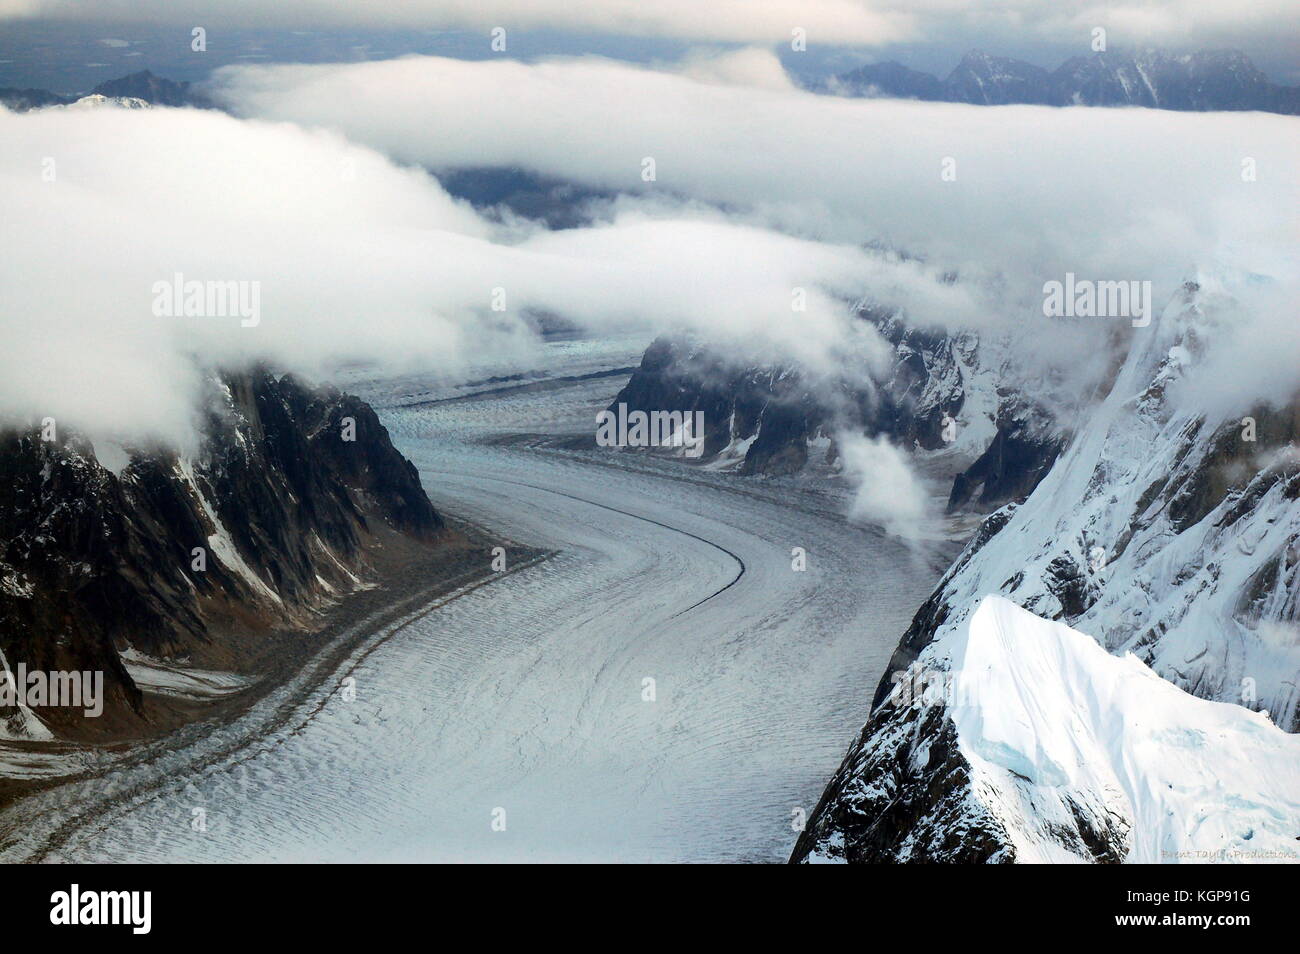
[1016, 738]
[1048, 719]
[1206, 80]
[100, 101]
[1161, 531]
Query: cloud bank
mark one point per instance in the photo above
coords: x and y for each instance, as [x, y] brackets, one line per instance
[1009, 198]
[323, 195]
[353, 256]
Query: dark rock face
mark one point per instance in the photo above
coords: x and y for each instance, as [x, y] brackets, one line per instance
[1017, 459]
[996, 81]
[780, 410]
[153, 89]
[904, 794]
[94, 562]
[773, 406]
[904, 791]
[675, 377]
[339, 483]
[904, 777]
[1208, 80]
[21, 100]
[925, 384]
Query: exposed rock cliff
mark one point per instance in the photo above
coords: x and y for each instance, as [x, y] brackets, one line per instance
[938, 393]
[109, 554]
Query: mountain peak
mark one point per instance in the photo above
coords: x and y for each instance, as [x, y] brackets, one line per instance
[154, 89]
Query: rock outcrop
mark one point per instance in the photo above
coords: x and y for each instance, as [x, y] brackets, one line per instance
[108, 551]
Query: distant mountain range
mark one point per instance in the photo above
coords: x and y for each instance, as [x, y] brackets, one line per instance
[1203, 81]
[1208, 80]
[144, 85]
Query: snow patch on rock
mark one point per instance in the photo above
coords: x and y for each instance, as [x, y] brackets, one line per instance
[221, 543]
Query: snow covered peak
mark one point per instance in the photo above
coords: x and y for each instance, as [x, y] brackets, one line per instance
[99, 101]
[1164, 531]
[1039, 746]
[1170, 535]
[1049, 722]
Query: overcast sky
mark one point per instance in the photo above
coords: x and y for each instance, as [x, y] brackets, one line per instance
[76, 43]
[831, 22]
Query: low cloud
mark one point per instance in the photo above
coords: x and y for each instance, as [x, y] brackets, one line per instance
[751, 66]
[886, 491]
[352, 258]
[1006, 198]
[1025, 193]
